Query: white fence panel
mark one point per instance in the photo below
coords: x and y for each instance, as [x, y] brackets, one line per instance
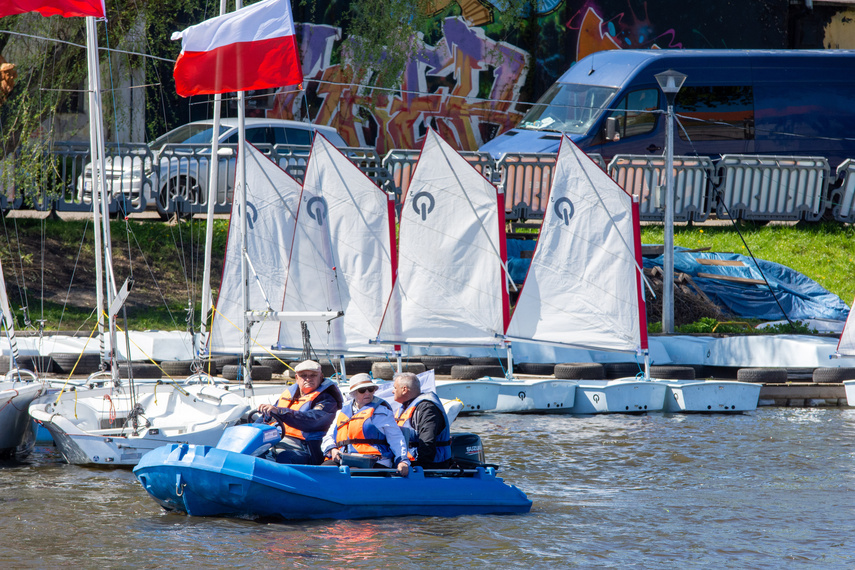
[772, 187]
[644, 176]
[843, 198]
[526, 179]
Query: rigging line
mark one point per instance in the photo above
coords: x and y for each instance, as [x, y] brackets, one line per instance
[22, 292]
[629, 249]
[156, 284]
[73, 272]
[83, 46]
[757, 265]
[477, 217]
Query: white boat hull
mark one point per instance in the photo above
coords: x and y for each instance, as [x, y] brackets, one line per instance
[710, 396]
[626, 395]
[15, 424]
[89, 427]
[541, 395]
[476, 395]
[849, 385]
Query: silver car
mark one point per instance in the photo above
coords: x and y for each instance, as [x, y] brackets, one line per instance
[172, 173]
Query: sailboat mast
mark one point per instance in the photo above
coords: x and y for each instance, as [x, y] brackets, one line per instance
[99, 193]
[9, 321]
[213, 185]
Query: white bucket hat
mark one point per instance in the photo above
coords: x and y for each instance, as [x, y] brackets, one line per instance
[360, 381]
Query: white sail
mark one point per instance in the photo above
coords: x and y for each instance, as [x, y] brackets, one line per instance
[272, 202]
[581, 288]
[313, 283]
[360, 226]
[449, 288]
[846, 345]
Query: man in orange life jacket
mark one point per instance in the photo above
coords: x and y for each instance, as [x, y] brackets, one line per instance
[424, 422]
[367, 427]
[304, 412]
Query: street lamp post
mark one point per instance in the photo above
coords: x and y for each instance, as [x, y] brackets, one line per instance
[670, 82]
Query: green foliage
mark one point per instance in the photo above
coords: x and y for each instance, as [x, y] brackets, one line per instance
[708, 325]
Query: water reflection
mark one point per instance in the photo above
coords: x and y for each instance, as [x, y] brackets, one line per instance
[757, 490]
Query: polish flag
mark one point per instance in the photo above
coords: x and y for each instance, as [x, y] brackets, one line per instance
[250, 48]
[66, 8]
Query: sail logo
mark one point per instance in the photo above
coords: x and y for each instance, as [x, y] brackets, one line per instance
[319, 212]
[423, 203]
[564, 209]
[251, 214]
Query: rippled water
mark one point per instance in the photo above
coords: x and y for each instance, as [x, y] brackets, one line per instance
[763, 490]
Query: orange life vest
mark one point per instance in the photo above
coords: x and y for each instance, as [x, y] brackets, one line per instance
[301, 404]
[356, 432]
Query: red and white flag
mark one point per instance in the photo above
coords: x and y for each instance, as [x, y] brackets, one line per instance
[251, 48]
[66, 8]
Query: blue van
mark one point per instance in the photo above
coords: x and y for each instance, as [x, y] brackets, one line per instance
[772, 102]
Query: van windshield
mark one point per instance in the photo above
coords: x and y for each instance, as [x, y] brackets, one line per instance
[193, 133]
[568, 107]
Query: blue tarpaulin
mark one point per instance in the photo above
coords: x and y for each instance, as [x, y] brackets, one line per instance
[801, 297]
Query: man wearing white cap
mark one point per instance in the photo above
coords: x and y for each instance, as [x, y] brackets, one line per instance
[304, 412]
[367, 427]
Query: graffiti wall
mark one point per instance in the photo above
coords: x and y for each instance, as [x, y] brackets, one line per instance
[470, 85]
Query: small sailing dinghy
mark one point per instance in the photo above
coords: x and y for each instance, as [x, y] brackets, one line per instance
[451, 289]
[118, 424]
[231, 480]
[584, 286]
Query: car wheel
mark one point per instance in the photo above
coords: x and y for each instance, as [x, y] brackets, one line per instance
[180, 187]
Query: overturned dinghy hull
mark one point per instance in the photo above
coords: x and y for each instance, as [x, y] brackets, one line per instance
[205, 481]
[619, 396]
[710, 396]
[16, 430]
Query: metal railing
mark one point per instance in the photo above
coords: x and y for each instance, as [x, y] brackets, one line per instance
[644, 176]
[175, 179]
[772, 187]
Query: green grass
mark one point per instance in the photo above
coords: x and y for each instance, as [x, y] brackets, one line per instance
[825, 252]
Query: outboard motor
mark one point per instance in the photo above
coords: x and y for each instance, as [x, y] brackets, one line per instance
[249, 439]
[467, 450]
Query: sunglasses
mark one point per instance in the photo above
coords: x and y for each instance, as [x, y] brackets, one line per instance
[369, 389]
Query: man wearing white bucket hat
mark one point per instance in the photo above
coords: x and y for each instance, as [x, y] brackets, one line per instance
[303, 413]
[367, 427]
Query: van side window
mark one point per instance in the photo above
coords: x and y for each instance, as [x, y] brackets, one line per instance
[718, 113]
[636, 119]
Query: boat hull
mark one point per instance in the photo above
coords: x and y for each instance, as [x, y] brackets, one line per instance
[710, 396]
[89, 428]
[849, 386]
[205, 481]
[619, 396]
[17, 435]
[539, 396]
[476, 395]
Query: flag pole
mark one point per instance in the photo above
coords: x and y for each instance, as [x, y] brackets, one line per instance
[207, 299]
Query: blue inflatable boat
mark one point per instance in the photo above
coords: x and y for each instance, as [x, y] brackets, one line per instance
[231, 480]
